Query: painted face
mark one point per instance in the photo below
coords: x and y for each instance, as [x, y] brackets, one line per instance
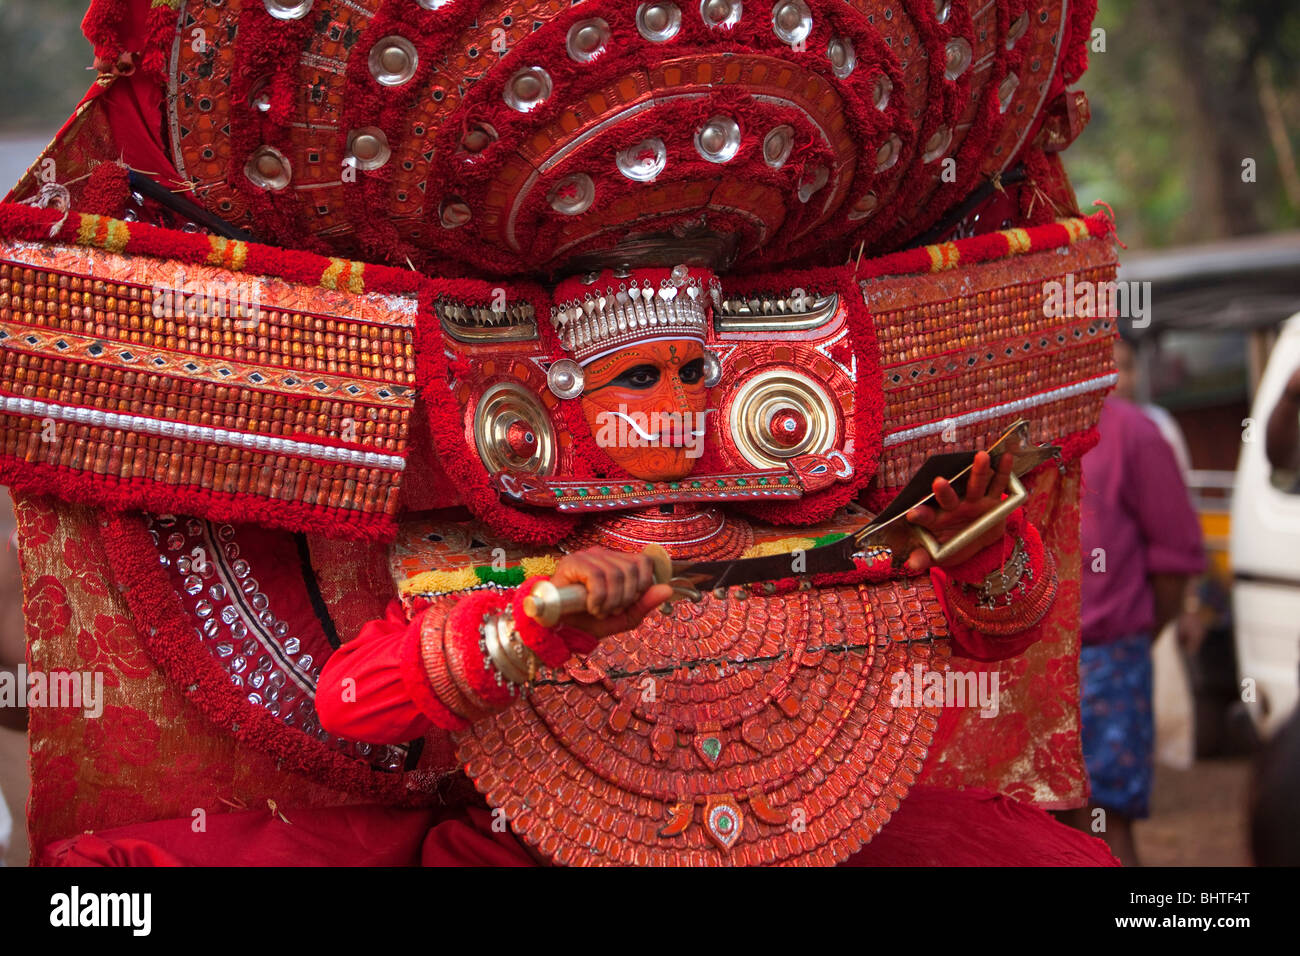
[646, 407]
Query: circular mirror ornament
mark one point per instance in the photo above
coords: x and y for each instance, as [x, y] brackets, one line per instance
[880, 91]
[720, 13]
[477, 137]
[564, 378]
[268, 168]
[957, 56]
[864, 207]
[393, 61]
[888, 153]
[512, 431]
[792, 21]
[712, 368]
[572, 195]
[658, 22]
[587, 40]
[368, 148]
[843, 59]
[528, 89]
[259, 96]
[777, 146]
[1018, 28]
[813, 180]
[937, 144]
[643, 162]
[780, 414]
[1007, 90]
[454, 212]
[718, 140]
[288, 9]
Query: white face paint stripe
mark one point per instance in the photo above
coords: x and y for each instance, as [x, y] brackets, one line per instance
[201, 433]
[645, 436]
[1006, 408]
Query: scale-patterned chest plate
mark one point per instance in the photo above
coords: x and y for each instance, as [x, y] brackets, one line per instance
[736, 732]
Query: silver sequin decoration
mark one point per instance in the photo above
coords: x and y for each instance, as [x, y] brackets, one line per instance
[658, 22]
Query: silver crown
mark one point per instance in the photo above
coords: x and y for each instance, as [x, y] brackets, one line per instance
[617, 312]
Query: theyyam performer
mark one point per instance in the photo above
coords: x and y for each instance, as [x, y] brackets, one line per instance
[544, 432]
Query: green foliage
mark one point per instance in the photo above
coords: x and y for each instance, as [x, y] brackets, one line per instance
[1177, 105]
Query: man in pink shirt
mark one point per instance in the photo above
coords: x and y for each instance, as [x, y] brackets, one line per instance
[1140, 543]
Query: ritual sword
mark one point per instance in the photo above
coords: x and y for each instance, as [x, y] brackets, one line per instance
[890, 530]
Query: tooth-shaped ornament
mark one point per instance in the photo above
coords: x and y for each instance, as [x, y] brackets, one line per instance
[620, 310]
[579, 326]
[638, 307]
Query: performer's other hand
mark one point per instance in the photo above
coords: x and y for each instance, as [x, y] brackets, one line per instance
[621, 589]
[984, 490]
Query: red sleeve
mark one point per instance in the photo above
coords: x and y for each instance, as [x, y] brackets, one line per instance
[397, 680]
[365, 688]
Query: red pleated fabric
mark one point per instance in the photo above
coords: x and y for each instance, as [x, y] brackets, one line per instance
[933, 827]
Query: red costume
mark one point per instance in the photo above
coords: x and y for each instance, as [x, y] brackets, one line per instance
[529, 280]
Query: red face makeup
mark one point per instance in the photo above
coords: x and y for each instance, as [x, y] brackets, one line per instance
[646, 407]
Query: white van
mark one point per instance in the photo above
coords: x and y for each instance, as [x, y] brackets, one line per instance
[1265, 552]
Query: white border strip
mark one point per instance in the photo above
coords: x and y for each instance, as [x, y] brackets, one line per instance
[997, 411]
[200, 433]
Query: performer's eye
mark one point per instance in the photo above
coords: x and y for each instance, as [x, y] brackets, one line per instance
[638, 376]
[692, 372]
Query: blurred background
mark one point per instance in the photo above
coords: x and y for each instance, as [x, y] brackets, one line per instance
[1193, 142]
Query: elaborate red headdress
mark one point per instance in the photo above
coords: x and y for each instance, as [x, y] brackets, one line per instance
[470, 137]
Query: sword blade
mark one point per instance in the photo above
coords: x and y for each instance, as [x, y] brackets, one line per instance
[830, 558]
[889, 529]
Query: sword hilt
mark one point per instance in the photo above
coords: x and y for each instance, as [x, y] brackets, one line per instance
[547, 603]
[1017, 495]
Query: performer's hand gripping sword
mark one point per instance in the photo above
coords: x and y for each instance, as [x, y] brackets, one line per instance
[890, 529]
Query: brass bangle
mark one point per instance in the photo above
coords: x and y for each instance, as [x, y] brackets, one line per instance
[521, 653]
[512, 658]
[475, 707]
[438, 668]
